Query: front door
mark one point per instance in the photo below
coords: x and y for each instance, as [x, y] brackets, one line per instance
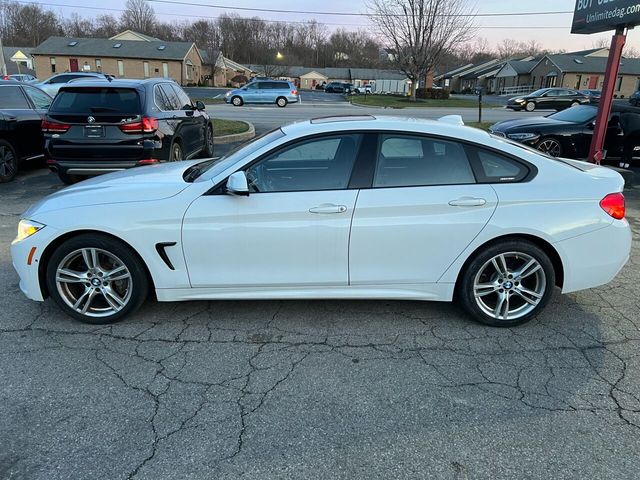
[73, 64]
[291, 231]
[424, 209]
[593, 82]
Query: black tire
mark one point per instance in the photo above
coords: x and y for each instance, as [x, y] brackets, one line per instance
[281, 102]
[176, 154]
[69, 179]
[551, 146]
[139, 285]
[207, 151]
[475, 269]
[237, 101]
[530, 106]
[8, 162]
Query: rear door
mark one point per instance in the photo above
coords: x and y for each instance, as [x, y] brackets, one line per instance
[424, 209]
[194, 123]
[21, 120]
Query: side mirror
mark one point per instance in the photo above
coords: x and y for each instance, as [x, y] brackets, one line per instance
[200, 105]
[237, 184]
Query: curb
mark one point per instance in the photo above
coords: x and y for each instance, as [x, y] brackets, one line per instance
[236, 137]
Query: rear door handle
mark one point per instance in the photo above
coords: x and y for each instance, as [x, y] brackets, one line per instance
[328, 208]
[468, 202]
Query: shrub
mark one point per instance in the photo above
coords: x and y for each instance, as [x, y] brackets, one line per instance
[239, 79]
[432, 93]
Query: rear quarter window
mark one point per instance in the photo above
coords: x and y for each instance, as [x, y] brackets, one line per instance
[492, 167]
[11, 97]
[96, 100]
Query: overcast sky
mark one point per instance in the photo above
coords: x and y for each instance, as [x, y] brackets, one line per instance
[517, 27]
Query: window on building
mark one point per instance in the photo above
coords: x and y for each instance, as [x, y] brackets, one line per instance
[619, 83]
[121, 68]
[98, 65]
[52, 60]
[637, 84]
[578, 82]
[165, 69]
[189, 70]
[145, 67]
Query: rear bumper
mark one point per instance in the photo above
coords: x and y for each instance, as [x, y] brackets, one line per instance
[90, 168]
[595, 258]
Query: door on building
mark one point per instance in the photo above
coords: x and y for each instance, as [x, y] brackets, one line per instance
[73, 64]
[593, 82]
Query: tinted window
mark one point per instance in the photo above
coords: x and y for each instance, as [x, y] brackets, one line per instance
[12, 98]
[538, 93]
[319, 164]
[97, 100]
[38, 97]
[160, 99]
[60, 79]
[171, 96]
[497, 168]
[184, 102]
[578, 114]
[406, 161]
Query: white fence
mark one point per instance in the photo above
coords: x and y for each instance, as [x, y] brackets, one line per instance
[519, 90]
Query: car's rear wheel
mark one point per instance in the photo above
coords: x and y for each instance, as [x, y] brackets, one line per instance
[96, 279]
[530, 106]
[207, 151]
[176, 152]
[237, 101]
[551, 146]
[281, 102]
[507, 283]
[8, 162]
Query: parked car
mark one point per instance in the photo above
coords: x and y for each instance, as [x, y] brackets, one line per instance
[52, 84]
[568, 133]
[548, 98]
[279, 92]
[99, 126]
[22, 108]
[362, 89]
[305, 210]
[634, 99]
[338, 87]
[21, 77]
[594, 95]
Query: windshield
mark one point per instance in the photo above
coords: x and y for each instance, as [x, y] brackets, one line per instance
[538, 93]
[235, 155]
[578, 114]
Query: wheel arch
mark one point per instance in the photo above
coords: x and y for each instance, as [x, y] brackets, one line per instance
[55, 243]
[541, 243]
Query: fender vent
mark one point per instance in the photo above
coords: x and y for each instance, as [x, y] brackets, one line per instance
[161, 249]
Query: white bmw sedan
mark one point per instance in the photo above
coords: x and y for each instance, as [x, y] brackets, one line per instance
[340, 208]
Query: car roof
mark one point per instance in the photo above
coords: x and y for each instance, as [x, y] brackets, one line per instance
[114, 83]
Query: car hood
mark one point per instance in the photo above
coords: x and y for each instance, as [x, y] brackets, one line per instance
[526, 122]
[141, 184]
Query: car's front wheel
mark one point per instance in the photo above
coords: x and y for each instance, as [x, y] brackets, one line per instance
[530, 106]
[96, 279]
[8, 162]
[507, 283]
[237, 101]
[281, 102]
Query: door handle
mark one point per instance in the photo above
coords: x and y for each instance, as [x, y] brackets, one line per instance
[328, 208]
[468, 202]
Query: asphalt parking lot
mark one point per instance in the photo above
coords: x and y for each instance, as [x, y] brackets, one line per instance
[317, 389]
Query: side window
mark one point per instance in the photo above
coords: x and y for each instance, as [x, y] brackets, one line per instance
[282, 86]
[410, 161]
[172, 99]
[183, 99]
[11, 98]
[496, 168]
[252, 86]
[323, 163]
[40, 99]
[60, 79]
[160, 99]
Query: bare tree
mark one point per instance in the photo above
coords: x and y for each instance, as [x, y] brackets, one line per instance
[421, 31]
[27, 25]
[138, 15]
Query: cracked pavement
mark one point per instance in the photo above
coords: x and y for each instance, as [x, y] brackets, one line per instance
[317, 389]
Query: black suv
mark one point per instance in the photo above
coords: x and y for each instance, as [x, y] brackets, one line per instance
[99, 126]
[22, 108]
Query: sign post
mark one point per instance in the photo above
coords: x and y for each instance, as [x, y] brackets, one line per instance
[594, 16]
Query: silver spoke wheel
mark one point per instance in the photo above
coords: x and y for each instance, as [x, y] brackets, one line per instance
[509, 286]
[550, 147]
[94, 282]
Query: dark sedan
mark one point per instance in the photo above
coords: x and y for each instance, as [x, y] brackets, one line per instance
[100, 126]
[568, 133]
[22, 108]
[548, 99]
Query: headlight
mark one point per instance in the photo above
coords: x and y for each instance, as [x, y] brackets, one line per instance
[228, 93]
[517, 100]
[522, 136]
[26, 228]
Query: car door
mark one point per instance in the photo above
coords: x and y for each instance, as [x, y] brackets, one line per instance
[251, 93]
[183, 124]
[193, 122]
[291, 231]
[40, 103]
[424, 209]
[22, 120]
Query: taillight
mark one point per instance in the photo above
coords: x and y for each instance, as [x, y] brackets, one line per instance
[54, 127]
[148, 161]
[294, 92]
[146, 125]
[614, 205]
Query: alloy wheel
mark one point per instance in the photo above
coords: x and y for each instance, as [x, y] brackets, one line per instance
[94, 282]
[176, 152]
[7, 162]
[551, 147]
[509, 285]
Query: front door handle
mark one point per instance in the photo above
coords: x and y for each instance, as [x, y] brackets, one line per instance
[468, 202]
[328, 208]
